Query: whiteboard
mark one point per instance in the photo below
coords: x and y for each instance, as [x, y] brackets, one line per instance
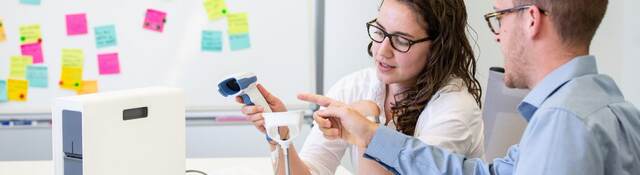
[281, 52]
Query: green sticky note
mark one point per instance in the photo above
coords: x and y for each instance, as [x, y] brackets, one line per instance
[239, 42]
[105, 36]
[211, 41]
[30, 2]
[37, 76]
[3, 90]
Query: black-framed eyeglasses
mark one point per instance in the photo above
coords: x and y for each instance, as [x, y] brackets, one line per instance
[398, 42]
[493, 18]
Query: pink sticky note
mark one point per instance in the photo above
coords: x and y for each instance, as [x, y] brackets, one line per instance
[108, 63]
[155, 20]
[76, 24]
[33, 49]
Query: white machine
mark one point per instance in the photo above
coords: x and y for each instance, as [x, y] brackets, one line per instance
[243, 85]
[291, 121]
[139, 131]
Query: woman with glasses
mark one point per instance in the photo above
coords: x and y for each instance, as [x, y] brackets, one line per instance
[423, 81]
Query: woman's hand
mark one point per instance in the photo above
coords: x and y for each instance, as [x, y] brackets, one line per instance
[254, 113]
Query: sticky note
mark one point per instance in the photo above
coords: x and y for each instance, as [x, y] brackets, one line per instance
[34, 50]
[211, 41]
[88, 87]
[238, 23]
[72, 58]
[71, 78]
[30, 34]
[216, 9]
[37, 76]
[154, 20]
[30, 2]
[3, 36]
[3, 90]
[17, 90]
[239, 42]
[76, 24]
[105, 36]
[18, 67]
[108, 63]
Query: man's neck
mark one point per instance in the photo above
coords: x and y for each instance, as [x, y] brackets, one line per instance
[550, 59]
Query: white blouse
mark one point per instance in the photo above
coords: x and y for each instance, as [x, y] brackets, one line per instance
[451, 120]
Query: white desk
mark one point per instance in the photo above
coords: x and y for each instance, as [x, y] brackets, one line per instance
[212, 166]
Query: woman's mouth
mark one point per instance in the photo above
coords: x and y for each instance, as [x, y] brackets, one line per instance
[385, 67]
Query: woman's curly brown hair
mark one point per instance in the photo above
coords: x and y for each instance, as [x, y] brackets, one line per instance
[451, 57]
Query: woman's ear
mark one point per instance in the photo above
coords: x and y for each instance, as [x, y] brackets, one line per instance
[369, 49]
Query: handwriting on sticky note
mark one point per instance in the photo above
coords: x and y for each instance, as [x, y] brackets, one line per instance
[88, 87]
[3, 36]
[238, 23]
[155, 20]
[216, 9]
[38, 76]
[18, 67]
[3, 90]
[30, 2]
[17, 89]
[211, 41]
[71, 78]
[72, 58]
[105, 36]
[76, 24]
[239, 42]
[34, 50]
[108, 63]
[30, 34]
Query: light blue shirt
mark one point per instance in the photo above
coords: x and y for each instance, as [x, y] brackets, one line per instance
[579, 123]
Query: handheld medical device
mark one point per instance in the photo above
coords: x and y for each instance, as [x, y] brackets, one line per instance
[130, 132]
[243, 85]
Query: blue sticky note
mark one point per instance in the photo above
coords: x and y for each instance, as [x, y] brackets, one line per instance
[211, 41]
[30, 2]
[37, 76]
[105, 36]
[239, 42]
[3, 90]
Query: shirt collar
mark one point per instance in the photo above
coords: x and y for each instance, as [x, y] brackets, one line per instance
[579, 66]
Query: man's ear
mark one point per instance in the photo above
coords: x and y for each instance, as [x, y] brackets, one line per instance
[534, 21]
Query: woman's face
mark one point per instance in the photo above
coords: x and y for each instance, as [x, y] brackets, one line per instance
[392, 66]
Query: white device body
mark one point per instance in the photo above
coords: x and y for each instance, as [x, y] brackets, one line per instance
[243, 85]
[117, 136]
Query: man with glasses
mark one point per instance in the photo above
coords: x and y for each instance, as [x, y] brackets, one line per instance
[578, 120]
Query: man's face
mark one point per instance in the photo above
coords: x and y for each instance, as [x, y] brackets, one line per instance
[512, 41]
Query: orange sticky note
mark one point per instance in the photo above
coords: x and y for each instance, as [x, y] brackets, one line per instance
[2, 35]
[71, 78]
[88, 87]
[17, 90]
[18, 67]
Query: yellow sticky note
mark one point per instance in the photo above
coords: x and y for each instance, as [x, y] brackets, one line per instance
[88, 87]
[238, 23]
[17, 90]
[72, 58]
[30, 34]
[2, 35]
[71, 78]
[216, 9]
[18, 67]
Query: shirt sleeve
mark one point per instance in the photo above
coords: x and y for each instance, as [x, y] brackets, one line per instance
[402, 154]
[322, 156]
[558, 142]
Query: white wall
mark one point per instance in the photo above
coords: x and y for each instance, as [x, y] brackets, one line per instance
[345, 41]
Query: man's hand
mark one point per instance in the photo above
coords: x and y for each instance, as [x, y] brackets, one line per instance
[338, 120]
